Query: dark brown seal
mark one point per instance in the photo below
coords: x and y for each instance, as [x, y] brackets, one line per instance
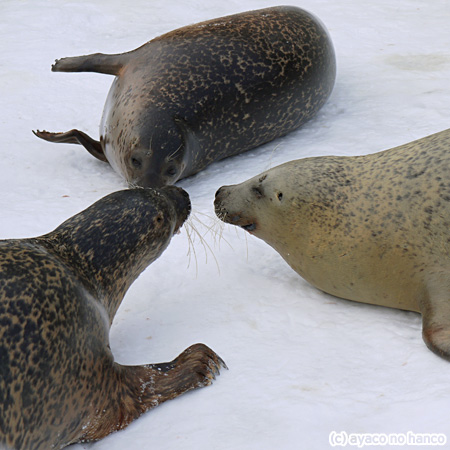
[59, 293]
[207, 91]
[373, 228]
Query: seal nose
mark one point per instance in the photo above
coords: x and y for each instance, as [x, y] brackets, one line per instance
[221, 194]
[181, 201]
[219, 207]
[154, 181]
[222, 191]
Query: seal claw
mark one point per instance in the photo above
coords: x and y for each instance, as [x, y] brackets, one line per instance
[199, 366]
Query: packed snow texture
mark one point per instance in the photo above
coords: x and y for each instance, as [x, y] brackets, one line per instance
[301, 363]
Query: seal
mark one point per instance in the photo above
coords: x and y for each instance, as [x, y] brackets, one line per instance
[207, 91]
[373, 229]
[59, 293]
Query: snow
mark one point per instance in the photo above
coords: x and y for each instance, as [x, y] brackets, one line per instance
[301, 363]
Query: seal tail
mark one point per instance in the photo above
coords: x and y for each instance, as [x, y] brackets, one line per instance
[75, 137]
[97, 62]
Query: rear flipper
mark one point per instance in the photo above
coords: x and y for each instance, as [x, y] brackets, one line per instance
[436, 320]
[75, 137]
[437, 337]
[136, 389]
[97, 62]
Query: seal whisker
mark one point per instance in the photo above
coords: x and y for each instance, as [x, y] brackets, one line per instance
[206, 246]
[191, 249]
[149, 149]
[270, 163]
[209, 228]
[132, 185]
[172, 155]
[216, 229]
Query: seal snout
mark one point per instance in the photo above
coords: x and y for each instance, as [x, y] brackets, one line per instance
[224, 210]
[181, 202]
[219, 207]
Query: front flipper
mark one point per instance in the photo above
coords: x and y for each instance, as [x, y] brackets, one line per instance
[75, 137]
[140, 388]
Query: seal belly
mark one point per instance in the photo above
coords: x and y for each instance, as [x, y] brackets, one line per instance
[109, 126]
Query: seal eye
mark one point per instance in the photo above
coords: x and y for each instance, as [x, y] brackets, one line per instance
[280, 196]
[171, 171]
[136, 162]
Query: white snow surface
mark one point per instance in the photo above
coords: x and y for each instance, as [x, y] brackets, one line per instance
[301, 363]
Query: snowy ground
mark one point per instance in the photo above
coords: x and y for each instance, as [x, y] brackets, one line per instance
[302, 363]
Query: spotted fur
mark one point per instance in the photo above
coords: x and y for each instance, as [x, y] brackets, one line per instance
[207, 91]
[373, 229]
[59, 293]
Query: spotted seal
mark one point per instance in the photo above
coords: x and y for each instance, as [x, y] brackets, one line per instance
[207, 91]
[59, 293]
[374, 228]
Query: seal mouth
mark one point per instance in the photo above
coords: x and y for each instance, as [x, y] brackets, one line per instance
[236, 219]
[250, 227]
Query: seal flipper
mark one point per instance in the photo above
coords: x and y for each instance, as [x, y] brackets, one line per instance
[75, 137]
[97, 62]
[140, 388]
[436, 322]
